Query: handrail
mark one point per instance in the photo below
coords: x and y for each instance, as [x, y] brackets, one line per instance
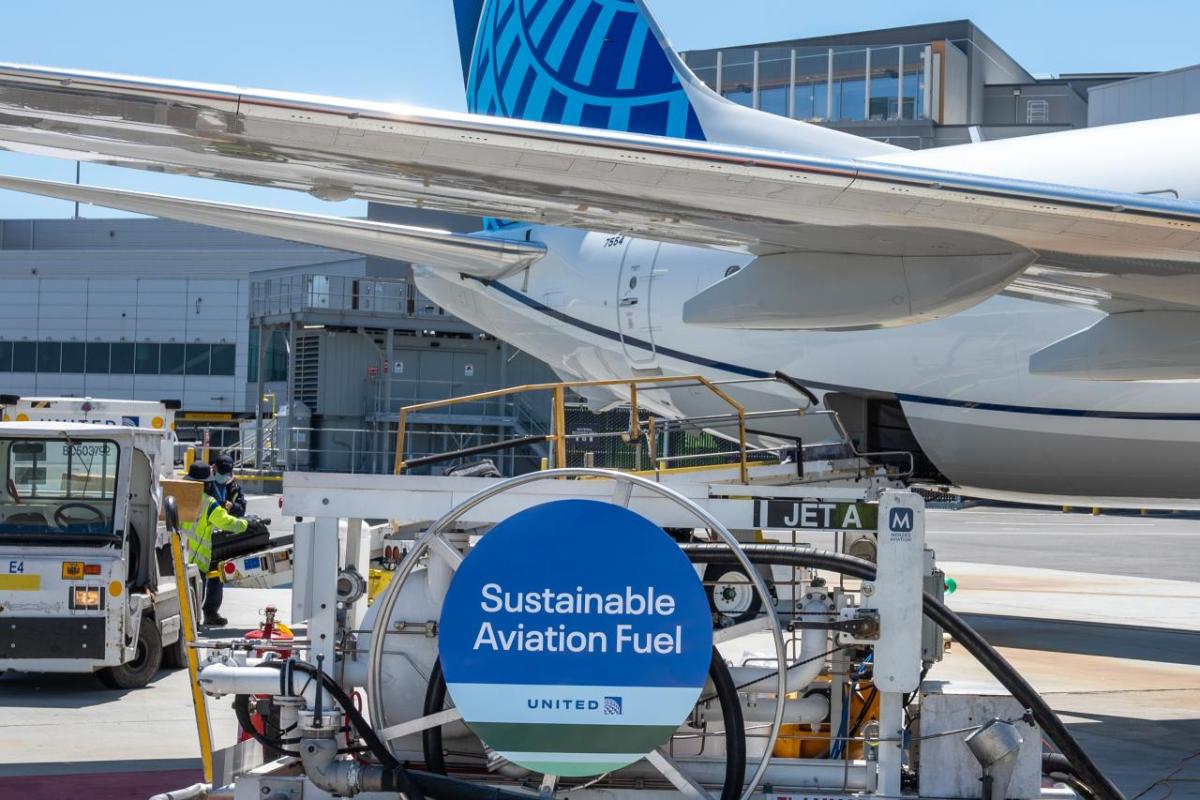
[558, 433]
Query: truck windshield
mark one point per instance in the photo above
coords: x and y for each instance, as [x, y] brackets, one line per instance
[56, 488]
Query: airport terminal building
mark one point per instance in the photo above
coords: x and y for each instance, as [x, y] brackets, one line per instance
[234, 325]
[932, 85]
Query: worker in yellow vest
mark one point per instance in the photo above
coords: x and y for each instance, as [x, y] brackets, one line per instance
[213, 516]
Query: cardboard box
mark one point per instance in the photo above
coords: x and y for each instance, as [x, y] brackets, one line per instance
[187, 496]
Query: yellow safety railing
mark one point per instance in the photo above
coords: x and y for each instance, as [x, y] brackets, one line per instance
[558, 433]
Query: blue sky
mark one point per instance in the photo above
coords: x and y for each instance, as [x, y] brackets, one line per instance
[406, 50]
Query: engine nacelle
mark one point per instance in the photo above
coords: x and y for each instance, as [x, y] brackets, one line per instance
[841, 291]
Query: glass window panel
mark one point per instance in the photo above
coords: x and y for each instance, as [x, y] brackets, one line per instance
[97, 358]
[849, 84]
[699, 59]
[774, 79]
[820, 101]
[812, 76]
[72, 357]
[914, 82]
[42, 474]
[24, 356]
[222, 359]
[252, 357]
[5, 356]
[737, 75]
[197, 359]
[49, 357]
[850, 99]
[172, 359]
[912, 96]
[146, 358]
[277, 357]
[708, 75]
[885, 71]
[122, 358]
[774, 100]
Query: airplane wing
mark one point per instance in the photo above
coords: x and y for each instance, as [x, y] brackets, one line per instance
[486, 258]
[922, 227]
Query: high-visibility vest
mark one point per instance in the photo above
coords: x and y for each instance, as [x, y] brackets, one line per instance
[213, 516]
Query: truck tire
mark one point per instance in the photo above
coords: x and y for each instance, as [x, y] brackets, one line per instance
[174, 655]
[144, 666]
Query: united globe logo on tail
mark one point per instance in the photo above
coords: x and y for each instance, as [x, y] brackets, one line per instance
[594, 63]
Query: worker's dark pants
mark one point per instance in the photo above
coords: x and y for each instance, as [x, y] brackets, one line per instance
[214, 591]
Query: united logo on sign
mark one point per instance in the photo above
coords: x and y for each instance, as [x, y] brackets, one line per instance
[565, 654]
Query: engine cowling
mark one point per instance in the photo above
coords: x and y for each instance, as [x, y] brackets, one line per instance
[846, 291]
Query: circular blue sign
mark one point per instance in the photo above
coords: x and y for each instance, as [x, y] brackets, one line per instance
[575, 637]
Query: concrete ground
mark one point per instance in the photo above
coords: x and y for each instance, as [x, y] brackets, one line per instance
[1116, 544]
[1080, 608]
[1118, 658]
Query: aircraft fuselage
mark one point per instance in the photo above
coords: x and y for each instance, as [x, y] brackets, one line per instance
[600, 306]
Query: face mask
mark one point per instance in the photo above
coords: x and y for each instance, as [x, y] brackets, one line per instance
[223, 479]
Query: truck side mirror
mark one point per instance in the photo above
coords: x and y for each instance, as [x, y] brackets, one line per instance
[171, 513]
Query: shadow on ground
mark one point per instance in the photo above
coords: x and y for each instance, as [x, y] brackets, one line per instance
[1135, 753]
[59, 690]
[1089, 638]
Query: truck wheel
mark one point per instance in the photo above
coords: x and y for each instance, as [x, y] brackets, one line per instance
[731, 594]
[174, 655]
[144, 666]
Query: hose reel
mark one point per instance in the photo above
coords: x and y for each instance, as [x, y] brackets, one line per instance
[434, 545]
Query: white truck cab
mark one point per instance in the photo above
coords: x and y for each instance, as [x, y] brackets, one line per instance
[86, 577]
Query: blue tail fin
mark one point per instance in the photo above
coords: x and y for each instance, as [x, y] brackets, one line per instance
[595, 63]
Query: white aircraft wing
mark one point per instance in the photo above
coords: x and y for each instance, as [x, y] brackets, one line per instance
[487, 258]
[956, 232]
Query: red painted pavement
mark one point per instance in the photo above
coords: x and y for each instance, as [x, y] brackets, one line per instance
[97, 785]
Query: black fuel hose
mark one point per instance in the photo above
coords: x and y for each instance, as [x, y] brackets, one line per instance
[1057, 766]
[413, 784]
[731, 713]
[727, 698]
[431, 738]
[1085, 769]
[241, 710]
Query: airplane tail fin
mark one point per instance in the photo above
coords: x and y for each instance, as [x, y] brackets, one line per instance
[606, 64]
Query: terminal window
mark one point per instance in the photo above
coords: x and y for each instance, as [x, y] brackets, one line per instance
[118, 358]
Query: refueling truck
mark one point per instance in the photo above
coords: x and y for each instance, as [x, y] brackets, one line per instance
[86, 578]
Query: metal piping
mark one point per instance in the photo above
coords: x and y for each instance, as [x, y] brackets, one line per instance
[813, 642]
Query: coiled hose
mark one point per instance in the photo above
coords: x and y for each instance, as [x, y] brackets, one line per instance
[1086, 770]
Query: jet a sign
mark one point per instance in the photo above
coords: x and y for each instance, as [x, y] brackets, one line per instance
[794, 514]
